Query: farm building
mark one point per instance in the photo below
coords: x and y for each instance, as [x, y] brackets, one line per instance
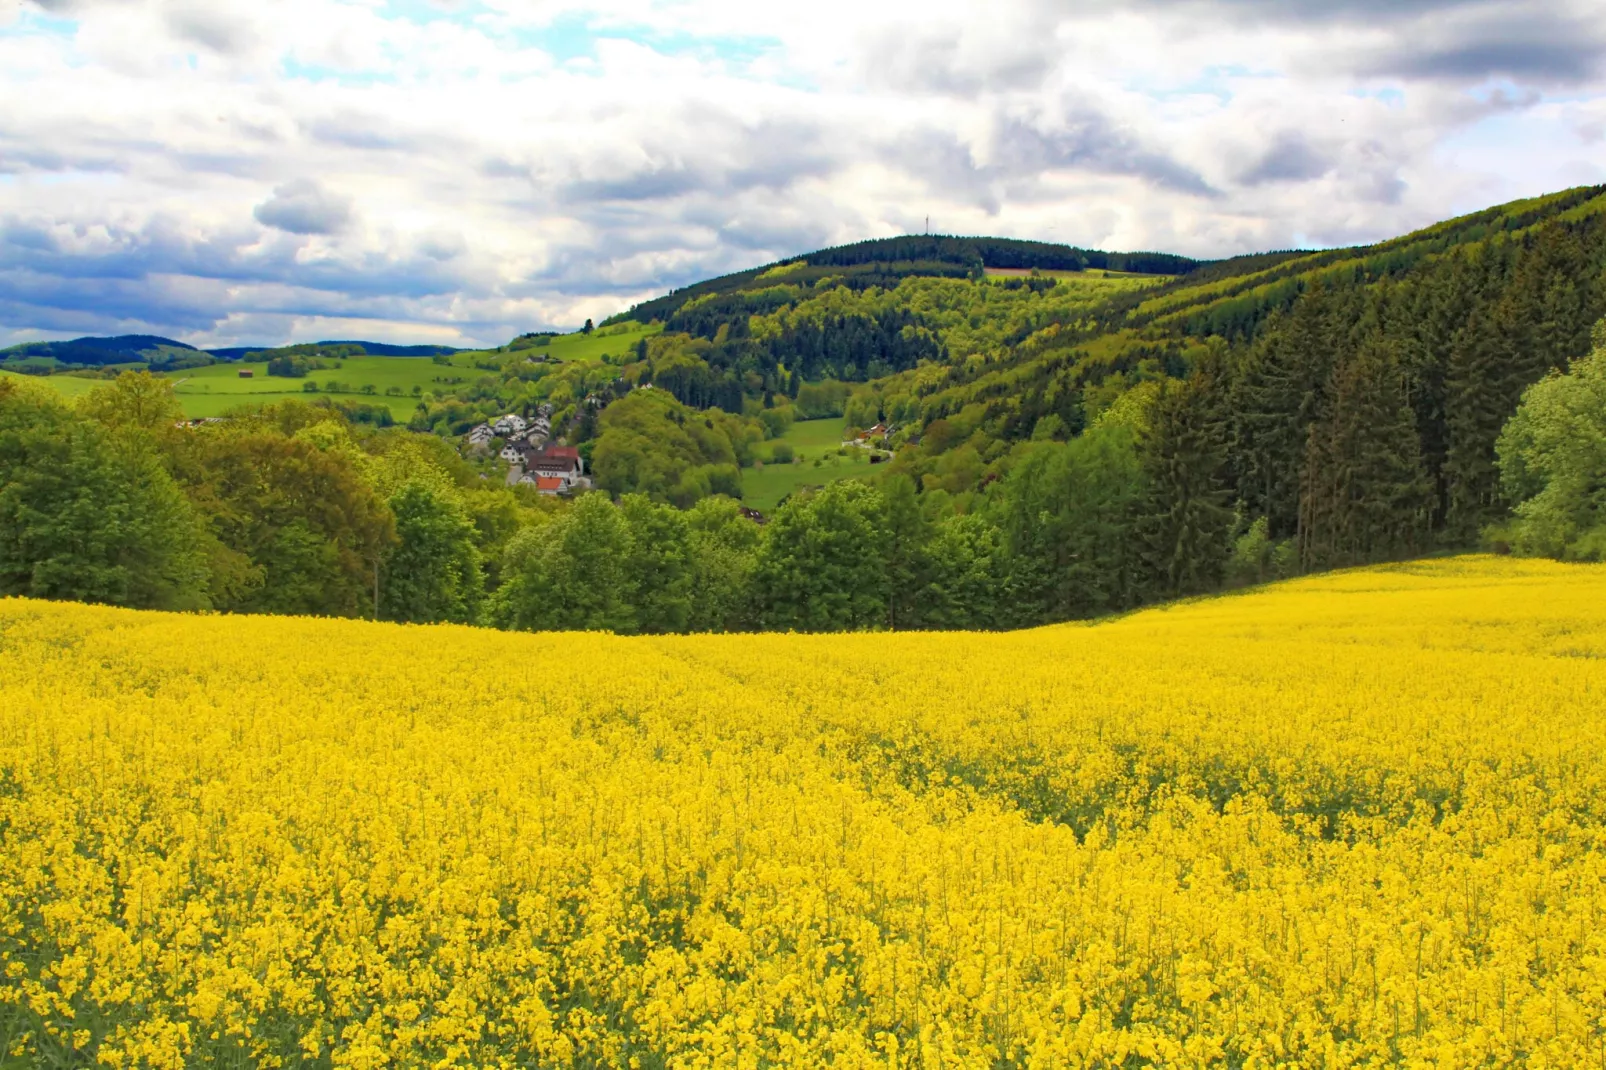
[247, 373]
[562, 462]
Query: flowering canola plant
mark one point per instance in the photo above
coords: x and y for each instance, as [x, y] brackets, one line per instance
[1351, 820]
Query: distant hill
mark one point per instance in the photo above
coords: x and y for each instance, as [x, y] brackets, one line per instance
[373, 349]
[886, 261]
[166, 353]
[99, 352]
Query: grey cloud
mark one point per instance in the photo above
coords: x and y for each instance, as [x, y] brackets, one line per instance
[1290, 158]
[1079, 138]
[1553, 42]
[1521, 54]
[160, 248]
[64, 7]
[444, 245]
[210, 23]
[940, 61]
[946, 164]
[236, 164]
[713, 153]
[502, 167]
[1089, 140]
[155, 277]
[304, 207]
[18, 156]
[1324, 11]
[359, 131]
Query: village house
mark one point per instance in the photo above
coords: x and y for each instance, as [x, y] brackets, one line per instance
[511, 454]
[511, 424]
[556, 462]
[480, 436]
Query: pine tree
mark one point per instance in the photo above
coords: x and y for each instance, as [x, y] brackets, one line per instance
[1277, 394]
[1364, 496]
[1186, 520]
[1535, 317]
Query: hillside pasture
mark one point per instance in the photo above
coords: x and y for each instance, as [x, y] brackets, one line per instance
[68, 386]
[1088, 274]
[214, 390]
[811, 440]
[617, 340]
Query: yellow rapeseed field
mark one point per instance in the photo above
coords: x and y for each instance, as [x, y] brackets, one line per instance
[1353, 820]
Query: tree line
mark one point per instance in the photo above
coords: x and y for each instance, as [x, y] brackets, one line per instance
[296, 509]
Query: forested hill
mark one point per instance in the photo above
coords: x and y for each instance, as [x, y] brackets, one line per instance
[886, 261]
[165, 353]
[1121, 435]
[1358, 393]
[97, 352]
[1054, 444]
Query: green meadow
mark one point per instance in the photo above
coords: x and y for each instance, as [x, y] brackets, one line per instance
[617, 340]
[388, 381]
[69, 386]
[764, 487]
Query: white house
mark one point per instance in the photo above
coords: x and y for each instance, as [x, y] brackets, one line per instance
[511, 424]
[511, 454]
[480, 435]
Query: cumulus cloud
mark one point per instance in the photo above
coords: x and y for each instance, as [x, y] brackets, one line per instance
[304, 206]
[457, 172]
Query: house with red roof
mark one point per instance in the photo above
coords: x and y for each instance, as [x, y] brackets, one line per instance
[554, 469]
[561, 461]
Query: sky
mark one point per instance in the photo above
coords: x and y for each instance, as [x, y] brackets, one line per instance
[231, 172]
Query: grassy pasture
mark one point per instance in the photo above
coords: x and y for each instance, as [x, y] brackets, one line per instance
[615, 341]
[763, 488]
[1089, 275]
[214, 390]
[68, 386]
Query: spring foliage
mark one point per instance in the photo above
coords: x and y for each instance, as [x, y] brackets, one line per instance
[1352, 820]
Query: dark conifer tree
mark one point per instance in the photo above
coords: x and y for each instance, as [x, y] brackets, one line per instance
[1276, 396]
[1186, 520]
[1364, 496]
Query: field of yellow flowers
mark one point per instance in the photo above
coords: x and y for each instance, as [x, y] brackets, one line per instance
[1353, 820]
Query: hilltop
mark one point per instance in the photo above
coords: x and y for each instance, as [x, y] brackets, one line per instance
[884, 262]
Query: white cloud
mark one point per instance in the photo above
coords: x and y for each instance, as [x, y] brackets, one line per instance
[469, 171]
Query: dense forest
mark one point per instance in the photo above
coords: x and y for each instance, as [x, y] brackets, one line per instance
[885, 262]
[1062, 447]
